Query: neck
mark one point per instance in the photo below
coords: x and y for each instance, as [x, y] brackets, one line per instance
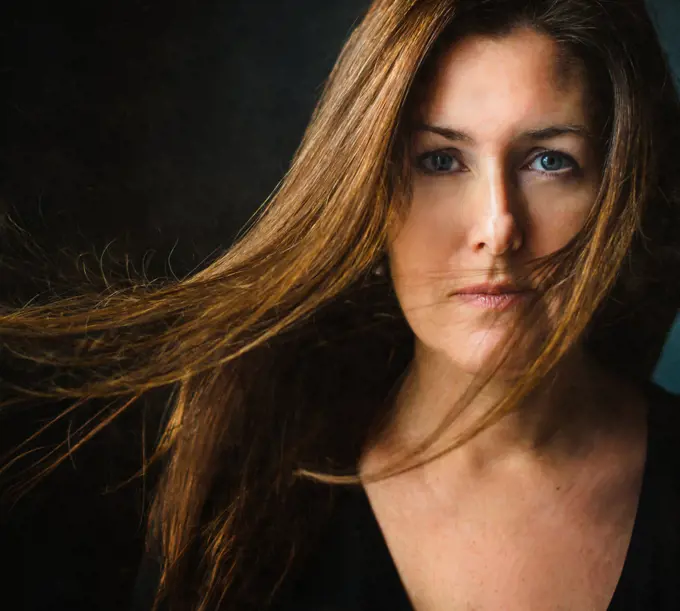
[560, 419]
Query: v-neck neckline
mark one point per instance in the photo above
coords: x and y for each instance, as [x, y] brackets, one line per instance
[381, 580]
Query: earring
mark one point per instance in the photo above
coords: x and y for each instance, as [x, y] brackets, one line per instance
[379, 270]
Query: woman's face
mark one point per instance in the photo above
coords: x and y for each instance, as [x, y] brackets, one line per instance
[505, 171]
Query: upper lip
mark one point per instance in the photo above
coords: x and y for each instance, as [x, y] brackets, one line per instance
[490, 288]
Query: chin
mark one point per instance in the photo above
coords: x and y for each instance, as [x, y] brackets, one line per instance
[472, 353]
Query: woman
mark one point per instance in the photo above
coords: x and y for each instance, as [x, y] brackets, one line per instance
[423, 313]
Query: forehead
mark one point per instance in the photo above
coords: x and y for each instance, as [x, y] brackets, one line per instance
[512, 82]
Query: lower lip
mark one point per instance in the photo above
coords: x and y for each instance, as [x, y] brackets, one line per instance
[491, 301]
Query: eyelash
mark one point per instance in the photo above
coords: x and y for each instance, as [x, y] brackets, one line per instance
[574, 166]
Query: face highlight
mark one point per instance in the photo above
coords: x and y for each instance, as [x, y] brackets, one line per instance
[504, 172]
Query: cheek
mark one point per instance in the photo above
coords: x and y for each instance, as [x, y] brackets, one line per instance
[422, 245]
[418, 254]
[555, 218]
[432, 230]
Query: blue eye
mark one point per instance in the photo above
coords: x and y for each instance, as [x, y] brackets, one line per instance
[553, 162]
[437, 162]
[549, 163]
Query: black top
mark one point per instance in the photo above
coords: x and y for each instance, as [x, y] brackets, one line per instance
[352, 569]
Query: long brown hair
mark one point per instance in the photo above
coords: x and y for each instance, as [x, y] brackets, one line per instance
[280, 356]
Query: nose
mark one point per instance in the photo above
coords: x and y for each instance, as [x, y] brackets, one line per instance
[496, 227]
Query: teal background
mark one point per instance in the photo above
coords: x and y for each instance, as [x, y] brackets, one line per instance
[666, 14]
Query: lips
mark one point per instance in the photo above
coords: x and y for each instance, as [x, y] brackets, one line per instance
[490, 289]
[488, 296]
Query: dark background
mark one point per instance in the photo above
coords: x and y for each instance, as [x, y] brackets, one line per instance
[154, 128]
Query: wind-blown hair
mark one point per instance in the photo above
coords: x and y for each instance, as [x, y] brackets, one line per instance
[281, 356]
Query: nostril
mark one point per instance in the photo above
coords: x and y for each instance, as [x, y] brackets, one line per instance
[504, 235]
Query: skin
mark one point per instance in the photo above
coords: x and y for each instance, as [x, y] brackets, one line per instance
[576, 450]
[488, 199]
[482, 208]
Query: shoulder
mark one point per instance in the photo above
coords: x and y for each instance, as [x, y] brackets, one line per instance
[663, 453]
[664, 422]
[662, 473]
[659, 510]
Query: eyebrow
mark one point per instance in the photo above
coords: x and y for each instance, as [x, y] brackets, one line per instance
[544, 133]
